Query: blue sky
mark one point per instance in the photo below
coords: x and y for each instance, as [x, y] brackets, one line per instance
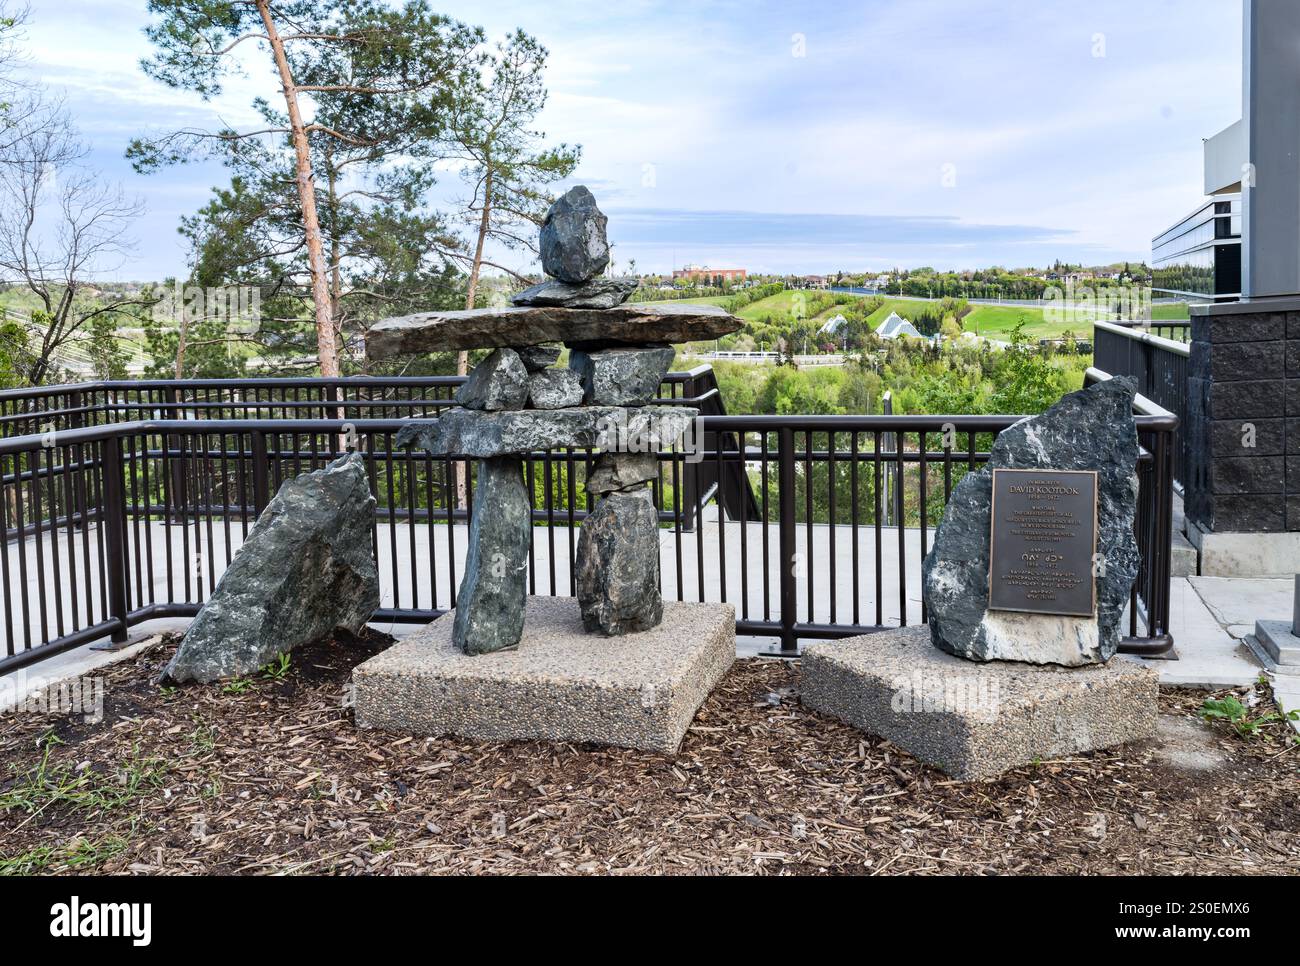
[805, 137]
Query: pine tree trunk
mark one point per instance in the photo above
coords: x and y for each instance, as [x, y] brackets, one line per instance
[326, 345]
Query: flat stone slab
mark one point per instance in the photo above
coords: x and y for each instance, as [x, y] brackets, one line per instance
[531, 325]
[971, 719]
[559, 684]
[598, 293]
[467, 432]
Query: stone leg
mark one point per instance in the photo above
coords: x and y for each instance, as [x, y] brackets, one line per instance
[490, 605]
[618, 565]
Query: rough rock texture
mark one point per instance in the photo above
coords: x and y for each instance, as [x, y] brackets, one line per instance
[598, 293]
[621, 377]
[466, 432]
[560, 684]
[622, 471]
[498, 382]
[618, 565]
[554, 389]
[975, 720]
[305, 569]
[519, 325]
[537, 357]
[573, 243]
[490, 604]
[1091, 429]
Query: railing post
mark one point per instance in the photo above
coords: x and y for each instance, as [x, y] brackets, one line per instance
[77, 512]
[789, 587]
[691, 481]
[261, 495]
[180, 492]
[1162, 552]
[114, 523]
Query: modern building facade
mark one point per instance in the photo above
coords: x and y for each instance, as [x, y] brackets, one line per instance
[1199, 258]
[1242, 426]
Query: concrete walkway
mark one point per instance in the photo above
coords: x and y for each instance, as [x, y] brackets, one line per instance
[1209, 616]
[1236, 603]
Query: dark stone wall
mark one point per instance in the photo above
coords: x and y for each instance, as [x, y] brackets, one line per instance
[1244, 376]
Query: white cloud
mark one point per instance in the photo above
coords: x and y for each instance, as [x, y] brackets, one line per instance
[703, 106]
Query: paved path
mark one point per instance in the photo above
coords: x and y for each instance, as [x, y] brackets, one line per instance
[1235, 604]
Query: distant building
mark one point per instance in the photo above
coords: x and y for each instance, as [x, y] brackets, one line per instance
[815, 281]
[709, 274]
[896, 325]
[1199, 259]
[833, 325]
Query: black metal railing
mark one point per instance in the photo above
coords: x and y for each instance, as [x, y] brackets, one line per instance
[812, 526]
[1159, 365]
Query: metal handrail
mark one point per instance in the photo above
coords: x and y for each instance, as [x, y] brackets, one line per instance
[1128, 331]
[91, 464]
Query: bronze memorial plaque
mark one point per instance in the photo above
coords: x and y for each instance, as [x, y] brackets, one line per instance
[1044, 525]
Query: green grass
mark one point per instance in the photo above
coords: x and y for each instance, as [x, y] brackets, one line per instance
[1171, 312]
[998, 321]
[782, 303]
[80, 853]
[51, 783]
[991, 321]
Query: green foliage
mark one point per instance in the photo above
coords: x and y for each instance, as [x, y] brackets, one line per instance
[749, 296]
[1027, 382]
[14, 353]
[811, 392]
[924, 380]
[278, 669]
[107, 353]
[1232, 711]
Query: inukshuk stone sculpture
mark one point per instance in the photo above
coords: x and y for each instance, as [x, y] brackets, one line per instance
[516, 402]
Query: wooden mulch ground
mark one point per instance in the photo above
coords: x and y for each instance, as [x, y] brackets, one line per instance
[271, 775]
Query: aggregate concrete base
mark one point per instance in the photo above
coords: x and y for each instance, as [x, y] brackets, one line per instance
[975, 720]
[561, 683]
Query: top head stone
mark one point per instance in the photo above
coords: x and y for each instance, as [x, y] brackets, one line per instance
[574, 247]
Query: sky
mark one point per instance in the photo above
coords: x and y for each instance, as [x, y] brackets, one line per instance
[784, 136]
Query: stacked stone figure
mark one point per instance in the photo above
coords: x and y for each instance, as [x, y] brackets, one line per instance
[516, 402]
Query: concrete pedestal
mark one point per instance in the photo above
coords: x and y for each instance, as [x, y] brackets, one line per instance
[975, 720]
[561, 683]
[1276, 646]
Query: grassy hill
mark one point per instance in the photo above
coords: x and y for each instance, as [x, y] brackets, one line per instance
[990, 321]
